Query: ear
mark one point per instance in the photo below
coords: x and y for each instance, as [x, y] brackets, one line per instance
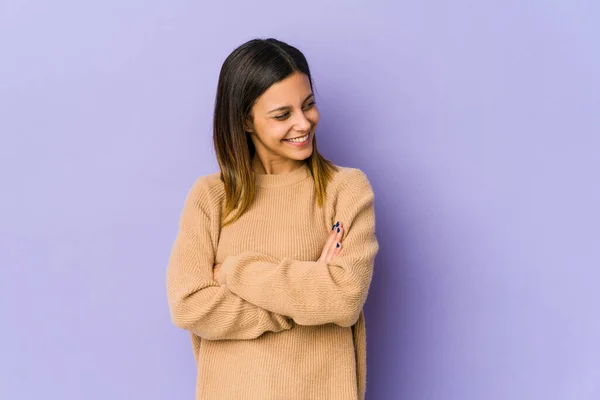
[248, 124]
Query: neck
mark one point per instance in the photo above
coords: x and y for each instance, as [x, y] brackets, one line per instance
[275, 167]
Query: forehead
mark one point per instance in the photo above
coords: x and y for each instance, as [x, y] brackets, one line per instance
[289, 91]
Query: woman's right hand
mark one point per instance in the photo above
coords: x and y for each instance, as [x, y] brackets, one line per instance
[333, 246]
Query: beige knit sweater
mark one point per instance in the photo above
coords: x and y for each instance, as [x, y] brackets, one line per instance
[278, 325]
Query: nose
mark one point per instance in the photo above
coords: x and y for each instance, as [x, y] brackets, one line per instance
[302, 123]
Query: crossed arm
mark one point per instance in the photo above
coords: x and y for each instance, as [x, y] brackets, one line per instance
[257, 293]
[196, 301]
[315, 292]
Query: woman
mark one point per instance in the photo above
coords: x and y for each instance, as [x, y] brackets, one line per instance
[258, 273]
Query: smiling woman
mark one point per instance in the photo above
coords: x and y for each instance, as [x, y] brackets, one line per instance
[273, 297]
[264, 98]
[283, 133]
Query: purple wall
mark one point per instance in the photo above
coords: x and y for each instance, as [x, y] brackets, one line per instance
[477, 123]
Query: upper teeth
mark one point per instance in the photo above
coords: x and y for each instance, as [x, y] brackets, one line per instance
[300, 139]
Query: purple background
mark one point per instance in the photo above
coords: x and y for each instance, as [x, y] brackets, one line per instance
[477, 123]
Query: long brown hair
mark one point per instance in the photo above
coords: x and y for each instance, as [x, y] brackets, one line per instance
[246, 74]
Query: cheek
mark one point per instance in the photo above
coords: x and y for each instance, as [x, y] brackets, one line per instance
[276, 130]
[267, 129]
[313, 116]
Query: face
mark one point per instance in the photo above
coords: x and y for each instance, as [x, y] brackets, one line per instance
[286, 110]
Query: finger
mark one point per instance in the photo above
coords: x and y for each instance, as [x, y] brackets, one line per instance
[329, 243]
[336, 243]
[333, 250]
[339, 232]
[338, 249]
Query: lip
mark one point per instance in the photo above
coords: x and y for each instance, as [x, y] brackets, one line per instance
[300, 144]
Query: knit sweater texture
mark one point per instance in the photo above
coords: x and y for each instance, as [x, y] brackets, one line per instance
[277, 324]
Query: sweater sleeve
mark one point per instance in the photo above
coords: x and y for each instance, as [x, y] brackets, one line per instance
[197, 302]
[315, 292]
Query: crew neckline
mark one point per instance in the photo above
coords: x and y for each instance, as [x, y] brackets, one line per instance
[280, 180]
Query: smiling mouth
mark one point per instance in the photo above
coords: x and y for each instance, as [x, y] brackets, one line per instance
[299, 139]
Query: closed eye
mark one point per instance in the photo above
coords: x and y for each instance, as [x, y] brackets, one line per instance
[286, 114]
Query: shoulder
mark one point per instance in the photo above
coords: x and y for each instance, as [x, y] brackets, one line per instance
[209, 182]
[349, 189]
[349, 196]
[207, 191]
[350, 179]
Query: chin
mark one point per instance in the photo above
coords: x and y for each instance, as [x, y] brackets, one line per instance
[300, 155]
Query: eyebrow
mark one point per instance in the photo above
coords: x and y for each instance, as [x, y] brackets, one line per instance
[287, 107]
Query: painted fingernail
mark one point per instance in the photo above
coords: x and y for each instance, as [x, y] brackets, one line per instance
[338, 230]
[333, 227]
[338, 223]
[337, 245]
